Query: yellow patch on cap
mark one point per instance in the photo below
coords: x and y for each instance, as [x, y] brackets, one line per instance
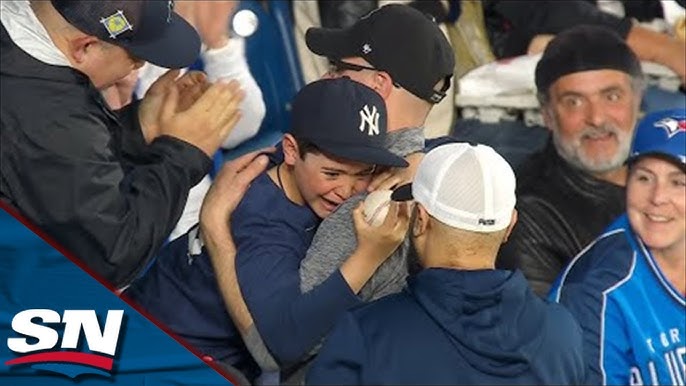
[116, 24]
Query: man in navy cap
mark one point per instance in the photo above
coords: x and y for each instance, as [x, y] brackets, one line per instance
[108, 186]
[336, 141]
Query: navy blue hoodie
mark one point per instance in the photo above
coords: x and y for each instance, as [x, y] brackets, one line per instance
[454, 327]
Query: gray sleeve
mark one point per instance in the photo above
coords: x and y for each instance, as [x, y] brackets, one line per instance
[258, 350]
[390, 277]
[333, 243]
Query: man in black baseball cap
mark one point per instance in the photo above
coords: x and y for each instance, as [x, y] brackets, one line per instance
[108, 186]
[397, 39]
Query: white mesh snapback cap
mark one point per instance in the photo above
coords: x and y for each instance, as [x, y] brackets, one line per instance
[465, 186]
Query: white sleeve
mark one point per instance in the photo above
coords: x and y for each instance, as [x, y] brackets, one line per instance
[229, 62]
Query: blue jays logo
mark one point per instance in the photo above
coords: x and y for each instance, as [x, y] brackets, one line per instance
[672, 126]
[116, 24]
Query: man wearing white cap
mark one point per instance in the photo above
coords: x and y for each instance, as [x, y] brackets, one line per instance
[459, 320]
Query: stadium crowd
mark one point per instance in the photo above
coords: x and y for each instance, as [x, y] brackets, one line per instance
[127, 135]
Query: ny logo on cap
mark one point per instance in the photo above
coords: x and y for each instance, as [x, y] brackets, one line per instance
[671, 126]
[369, 119]
[116, 24]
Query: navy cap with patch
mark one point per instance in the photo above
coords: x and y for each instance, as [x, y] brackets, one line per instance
[344, 118]
[148, 29]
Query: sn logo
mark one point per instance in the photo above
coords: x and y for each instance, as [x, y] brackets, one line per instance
[34, 323]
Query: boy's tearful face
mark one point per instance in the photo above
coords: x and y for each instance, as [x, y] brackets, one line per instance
[324, 182]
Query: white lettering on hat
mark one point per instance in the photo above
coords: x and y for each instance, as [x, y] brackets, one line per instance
[366, 48]
[116, 24]
[369, 119]
[170, 10]
[671, 126]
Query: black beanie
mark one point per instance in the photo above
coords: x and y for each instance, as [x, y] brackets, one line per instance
[585, 48]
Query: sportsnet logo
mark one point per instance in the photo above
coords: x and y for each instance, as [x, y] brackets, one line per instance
[39, 340]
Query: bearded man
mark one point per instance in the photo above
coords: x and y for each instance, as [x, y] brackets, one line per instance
[590, 86]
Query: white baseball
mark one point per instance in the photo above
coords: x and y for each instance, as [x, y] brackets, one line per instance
[376, 207]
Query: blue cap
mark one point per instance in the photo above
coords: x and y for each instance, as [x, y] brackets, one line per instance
[147, 29]
[662, 133]
[345, 119]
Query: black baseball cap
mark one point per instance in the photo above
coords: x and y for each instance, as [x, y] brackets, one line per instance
[585, 48]
[397, 39]
[345, 119]
[148, 29]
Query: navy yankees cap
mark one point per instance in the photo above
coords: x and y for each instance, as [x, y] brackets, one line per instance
[397, 39]
[662, 134]
[345, 119]
[147, 29]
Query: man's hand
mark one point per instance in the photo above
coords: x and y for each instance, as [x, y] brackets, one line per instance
[190, 87]
[212, 20]
[228, 189]
[394, 177]
[659, 48]
[208, 121]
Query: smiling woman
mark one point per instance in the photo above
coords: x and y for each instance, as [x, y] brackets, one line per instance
[629, 286]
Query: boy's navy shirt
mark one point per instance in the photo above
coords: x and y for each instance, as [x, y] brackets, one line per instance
[272, 235]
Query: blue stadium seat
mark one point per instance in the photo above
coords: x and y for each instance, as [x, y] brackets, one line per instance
[273, 61]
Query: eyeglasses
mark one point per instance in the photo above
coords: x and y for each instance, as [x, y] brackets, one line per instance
[338, 66]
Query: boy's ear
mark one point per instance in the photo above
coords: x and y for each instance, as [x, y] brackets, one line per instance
[291, 152]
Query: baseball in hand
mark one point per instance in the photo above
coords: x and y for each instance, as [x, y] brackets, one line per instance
[376, 207]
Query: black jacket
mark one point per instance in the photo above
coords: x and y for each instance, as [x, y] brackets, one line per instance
[560, 210]
[511, 24]
[82, 172]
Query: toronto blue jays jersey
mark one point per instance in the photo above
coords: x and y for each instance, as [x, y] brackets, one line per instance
[633, 320]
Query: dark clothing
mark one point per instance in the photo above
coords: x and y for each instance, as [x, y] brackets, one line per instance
[83, 173]
[641, 10]
[511, 24]
[561, 209]
[272, 235]
[454, 327]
